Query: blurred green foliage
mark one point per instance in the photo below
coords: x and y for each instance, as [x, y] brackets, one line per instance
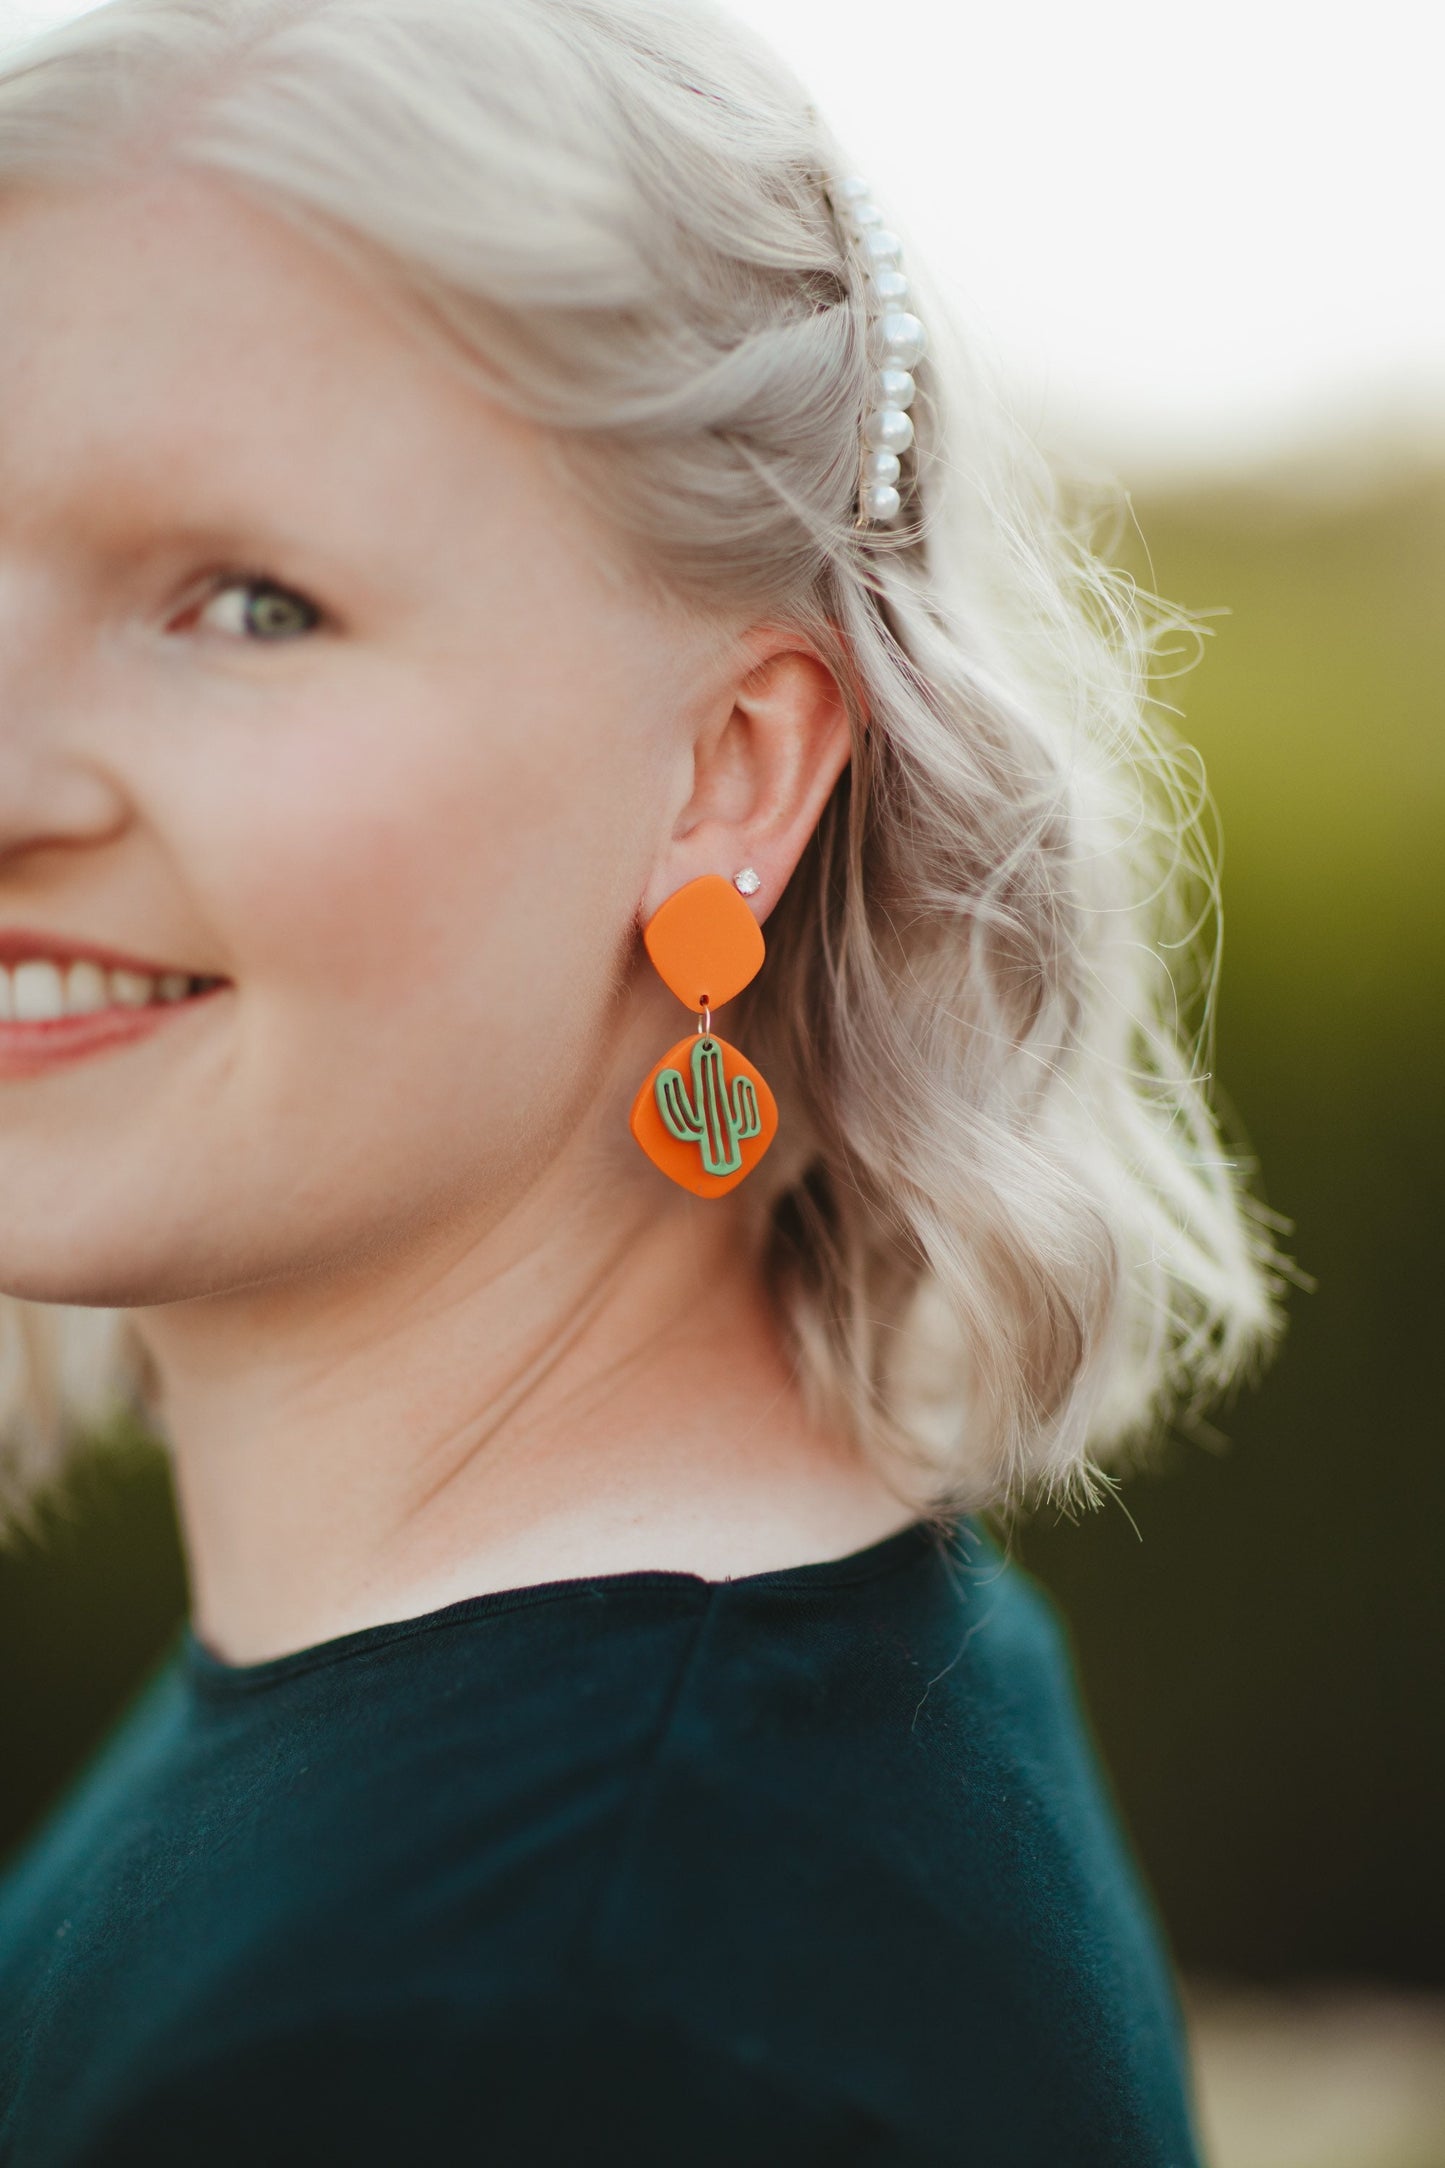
[1261, 1656]
[85, 1609]
[1256, 1634]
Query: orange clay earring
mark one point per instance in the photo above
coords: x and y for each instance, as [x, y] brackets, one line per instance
[705, 1116]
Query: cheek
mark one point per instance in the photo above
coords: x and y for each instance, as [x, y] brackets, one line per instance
[423, 905]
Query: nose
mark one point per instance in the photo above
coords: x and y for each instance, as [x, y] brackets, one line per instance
[54, 785]
[52, 803]
[51, 793]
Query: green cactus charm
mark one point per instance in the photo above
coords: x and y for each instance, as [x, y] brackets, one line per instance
[713, 1118]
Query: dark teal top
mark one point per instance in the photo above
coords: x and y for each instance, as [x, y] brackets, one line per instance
[807, 1869]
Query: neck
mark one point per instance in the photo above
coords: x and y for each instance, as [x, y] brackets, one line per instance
[572, 1392]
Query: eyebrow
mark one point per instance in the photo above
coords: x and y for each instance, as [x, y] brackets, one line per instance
[240, 540]
[129, 515]
[238, 534]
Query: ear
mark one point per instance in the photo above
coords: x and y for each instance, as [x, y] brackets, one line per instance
[767, 751]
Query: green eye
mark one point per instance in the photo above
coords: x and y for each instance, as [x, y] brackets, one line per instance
[258, 609]
[276, 610]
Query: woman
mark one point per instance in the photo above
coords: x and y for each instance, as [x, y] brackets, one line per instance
[472, 606]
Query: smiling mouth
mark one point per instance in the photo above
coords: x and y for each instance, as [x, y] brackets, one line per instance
[54, 1014]
[43, 991]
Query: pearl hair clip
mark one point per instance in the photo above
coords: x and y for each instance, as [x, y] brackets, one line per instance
[897, 340]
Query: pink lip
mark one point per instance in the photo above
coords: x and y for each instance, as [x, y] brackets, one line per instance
[30, 1049]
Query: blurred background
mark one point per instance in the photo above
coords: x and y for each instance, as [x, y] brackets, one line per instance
[1201, 245]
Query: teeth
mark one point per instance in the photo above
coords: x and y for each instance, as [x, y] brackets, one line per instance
[85, 989]
[130, 989]
[39, 991]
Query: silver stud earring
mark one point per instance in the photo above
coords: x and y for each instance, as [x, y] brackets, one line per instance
[747, 882]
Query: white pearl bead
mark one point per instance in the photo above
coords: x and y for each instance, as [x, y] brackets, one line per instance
[901, 339]
[887, 429]
[890, 288]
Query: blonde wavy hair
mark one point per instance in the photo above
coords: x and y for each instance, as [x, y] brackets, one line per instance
[1002, 1226]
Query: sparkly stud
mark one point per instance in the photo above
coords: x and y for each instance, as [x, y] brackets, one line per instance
[747, 882]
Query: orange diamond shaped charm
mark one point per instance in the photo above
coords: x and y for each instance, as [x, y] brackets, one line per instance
[705, 1115]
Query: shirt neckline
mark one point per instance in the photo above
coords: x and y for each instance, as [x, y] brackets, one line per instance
[215, 1675]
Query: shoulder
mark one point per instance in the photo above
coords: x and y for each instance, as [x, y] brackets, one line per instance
[532, 2084]
[771, 1871]
[875, 1845]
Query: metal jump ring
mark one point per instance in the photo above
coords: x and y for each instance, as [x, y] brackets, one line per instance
[704, 1021]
